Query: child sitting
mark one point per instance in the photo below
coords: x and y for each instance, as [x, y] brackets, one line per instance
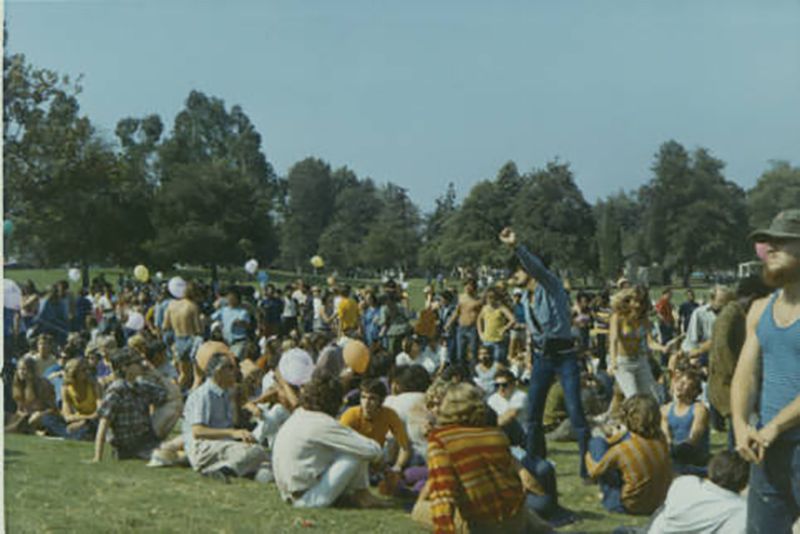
[125, 409]
[633, 467]
[684, 422]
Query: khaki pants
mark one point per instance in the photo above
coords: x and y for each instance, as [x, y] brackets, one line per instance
[207, 455]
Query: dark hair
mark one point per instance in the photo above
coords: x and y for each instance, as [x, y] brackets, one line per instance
[505, 373]
[153, 348]
[374, 386]
[728, 470]
[322, 395]
[456, 371]
[412, 378]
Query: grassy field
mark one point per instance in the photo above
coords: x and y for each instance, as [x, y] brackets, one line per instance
[49, 488]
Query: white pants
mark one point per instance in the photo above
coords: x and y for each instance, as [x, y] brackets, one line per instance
[346, 474]
[635, 376]
[207, 455]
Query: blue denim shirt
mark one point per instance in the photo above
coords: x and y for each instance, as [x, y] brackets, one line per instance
[550, 305]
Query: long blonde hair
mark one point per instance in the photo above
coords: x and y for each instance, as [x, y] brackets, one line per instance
[621, 302]
[462, 404]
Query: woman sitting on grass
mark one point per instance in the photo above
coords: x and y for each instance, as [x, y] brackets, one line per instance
[633, 467]
[473, 478]
[36, 402]
[80, 398]
[684, 422]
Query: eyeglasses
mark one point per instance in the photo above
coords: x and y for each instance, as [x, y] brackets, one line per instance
[501, 385]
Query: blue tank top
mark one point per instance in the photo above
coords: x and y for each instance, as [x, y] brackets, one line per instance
[680, 427]
[780, 356]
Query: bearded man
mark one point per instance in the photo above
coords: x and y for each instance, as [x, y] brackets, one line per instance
[769, 371]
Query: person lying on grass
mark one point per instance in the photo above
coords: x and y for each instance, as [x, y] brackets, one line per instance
[125, 409]
[317, 460]
[216, 448]
[633, 467]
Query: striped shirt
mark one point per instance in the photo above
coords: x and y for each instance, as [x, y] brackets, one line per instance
[471, 469]
[645, 467]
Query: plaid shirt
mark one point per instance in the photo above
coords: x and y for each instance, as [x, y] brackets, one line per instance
[472, 469]
[126, 406]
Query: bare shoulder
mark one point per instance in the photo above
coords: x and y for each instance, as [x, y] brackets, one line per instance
[757, 310]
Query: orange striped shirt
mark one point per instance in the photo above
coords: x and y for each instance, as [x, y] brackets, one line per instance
[471, 468]
[646, 470]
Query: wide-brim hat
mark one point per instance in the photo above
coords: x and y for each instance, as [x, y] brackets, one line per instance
[785, 225]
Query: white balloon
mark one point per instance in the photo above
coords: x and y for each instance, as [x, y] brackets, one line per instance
[251, 266]
[159, 275]
[12, 295]
[74, 274]
[177, 287]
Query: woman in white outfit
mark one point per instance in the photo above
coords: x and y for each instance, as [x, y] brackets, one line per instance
[630, 340]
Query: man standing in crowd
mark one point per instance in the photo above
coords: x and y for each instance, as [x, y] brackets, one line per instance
[467, 311]
[666, 321]
[183, 318]
[768, 377]
[235, 322]
[698, 336]
[549, 321]
[686, 310]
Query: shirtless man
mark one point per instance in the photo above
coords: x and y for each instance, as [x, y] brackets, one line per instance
[467, 311]
[183, 318]
[766, 384]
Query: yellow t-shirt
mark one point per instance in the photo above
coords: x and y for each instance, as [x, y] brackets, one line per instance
[84, 402]
[386, 420]
[493, 323]
[348, 314]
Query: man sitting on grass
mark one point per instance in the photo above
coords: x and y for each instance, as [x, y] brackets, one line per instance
[214, 447]
[125, 409]
[316, 459]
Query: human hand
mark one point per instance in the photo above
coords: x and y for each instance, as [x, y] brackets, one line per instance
[244, 436]
[747, 443]
[253, 409]
[767, 436]
[508, 237]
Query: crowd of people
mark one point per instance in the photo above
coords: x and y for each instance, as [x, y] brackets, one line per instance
[348, 397]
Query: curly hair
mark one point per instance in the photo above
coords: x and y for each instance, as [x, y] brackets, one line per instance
[641, 415]
[322, 394]
[462, 405]
[621, 302]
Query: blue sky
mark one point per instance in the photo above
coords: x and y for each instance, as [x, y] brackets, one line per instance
[424, 93]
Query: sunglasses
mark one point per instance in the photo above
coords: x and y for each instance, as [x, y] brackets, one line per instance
[501, 385]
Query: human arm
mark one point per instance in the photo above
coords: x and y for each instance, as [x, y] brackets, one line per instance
[100, 439]
[699, 425]
[665, 423]
[238, 434]
[531, 263]
[608, 461]
[613, 342]
[166, 323]
[479, 323]
[506, 417]
[744, 388]
[787, 418]
[332, 434]
[510, 320]
[453, 317]
[398, 429]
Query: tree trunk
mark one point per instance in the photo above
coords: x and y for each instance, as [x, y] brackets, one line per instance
[85, 274]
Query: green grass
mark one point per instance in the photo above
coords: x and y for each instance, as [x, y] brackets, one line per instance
[48, 488]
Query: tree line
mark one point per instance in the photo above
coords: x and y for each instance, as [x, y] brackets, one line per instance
[205, 194]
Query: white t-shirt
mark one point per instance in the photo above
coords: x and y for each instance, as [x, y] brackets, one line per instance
[698, 506]
[410, 408]
[299, 296]
[518, 401]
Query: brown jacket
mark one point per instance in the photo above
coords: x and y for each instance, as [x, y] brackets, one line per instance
[726, 343]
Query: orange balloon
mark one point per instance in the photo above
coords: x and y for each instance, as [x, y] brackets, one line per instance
[356, 356]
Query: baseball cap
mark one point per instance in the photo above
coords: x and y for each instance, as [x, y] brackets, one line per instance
[785, 225]
[296, 366]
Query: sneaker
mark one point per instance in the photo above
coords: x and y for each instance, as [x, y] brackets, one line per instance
[162, 458]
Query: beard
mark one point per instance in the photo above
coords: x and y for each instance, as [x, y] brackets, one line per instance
[782, 275]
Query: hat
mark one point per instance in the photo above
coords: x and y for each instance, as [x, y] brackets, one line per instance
[296, 366]
[210, 348]
[124, 357]
[785, 225]
[177, 287]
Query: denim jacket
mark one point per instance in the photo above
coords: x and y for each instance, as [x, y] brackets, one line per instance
[550, 304]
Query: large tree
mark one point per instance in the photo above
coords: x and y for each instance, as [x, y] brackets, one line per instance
[393, 239]
[777, 189]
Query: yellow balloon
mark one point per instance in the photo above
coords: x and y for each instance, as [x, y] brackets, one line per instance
[356, 356]
[141, 273]
[317, 262]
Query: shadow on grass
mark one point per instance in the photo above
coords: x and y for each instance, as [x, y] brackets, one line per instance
[11, 452]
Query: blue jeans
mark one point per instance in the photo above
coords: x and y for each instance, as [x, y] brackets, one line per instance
[610, 481]
[466, 336]
[773, 502]
[544, 473]
[498, 350]
[545, 368]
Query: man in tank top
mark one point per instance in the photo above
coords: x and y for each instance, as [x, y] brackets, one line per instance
[766, 385]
